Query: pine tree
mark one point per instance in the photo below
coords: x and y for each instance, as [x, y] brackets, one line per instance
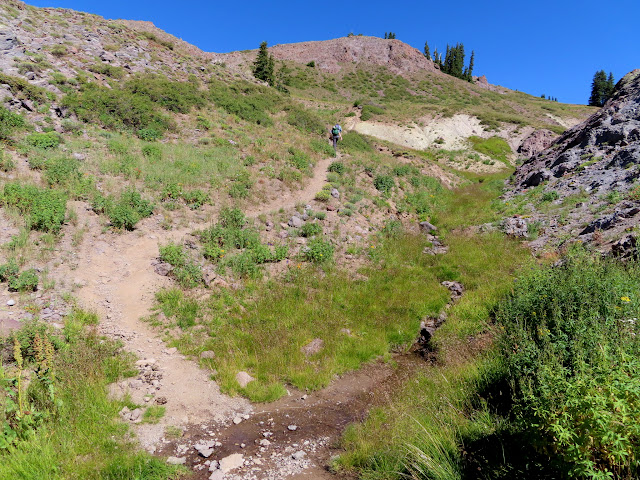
[598, 89]
[263, 67]
[427, 53]
[470, 67]
[611, 86]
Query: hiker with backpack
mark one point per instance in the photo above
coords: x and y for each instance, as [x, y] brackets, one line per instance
[336, 134]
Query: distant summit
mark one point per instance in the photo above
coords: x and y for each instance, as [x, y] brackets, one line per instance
[331, 55]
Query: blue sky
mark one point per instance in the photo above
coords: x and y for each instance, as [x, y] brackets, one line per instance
[543, 47]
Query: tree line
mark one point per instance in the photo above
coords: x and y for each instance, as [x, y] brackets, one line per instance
[601, 88]
[453, 63]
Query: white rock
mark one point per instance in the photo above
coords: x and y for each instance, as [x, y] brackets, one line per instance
[231, 462]
[176, 460]
[243, 379]
[204, 450]
[264, 442]
[217, 475]
[299, 455]
[11, 303]
[237, 420]
[292, 428]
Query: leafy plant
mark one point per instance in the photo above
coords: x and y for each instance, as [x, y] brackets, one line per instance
[318, 251]
[384, 184]
[44, 140]
[43, 209]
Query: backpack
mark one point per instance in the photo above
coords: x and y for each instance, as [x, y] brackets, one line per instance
[335, 131]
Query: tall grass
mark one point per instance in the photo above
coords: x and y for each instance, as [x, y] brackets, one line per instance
[81, 436]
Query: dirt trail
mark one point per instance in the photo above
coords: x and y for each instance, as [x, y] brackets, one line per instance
[118, 282]
[113, 275]
[290, 199]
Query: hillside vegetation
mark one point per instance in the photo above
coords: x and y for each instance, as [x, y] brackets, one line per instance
[160, 208]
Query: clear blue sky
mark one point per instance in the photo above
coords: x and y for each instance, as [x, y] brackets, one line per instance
[543, 47]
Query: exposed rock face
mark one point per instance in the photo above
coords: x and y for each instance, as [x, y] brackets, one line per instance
[536, 142]
[330, 54]
[599, 161]
[8, 40]
[609, 141]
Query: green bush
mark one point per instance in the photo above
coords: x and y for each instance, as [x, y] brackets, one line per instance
[322, 146]
[62, 171]
[117, 109]
[6, 162]
[298, 159]
[44, 209]
[550, 196]
[186, 272]
[124, 212]
[384, 184]
[149, 134]
[250, 102]
[369, 111]
[27, 281]
[323, 196]
[353, 142]
[310, 229]
[44, 140]
[571, 345]
[9, 270]
[195, 198]
[305, 120]
[152, 152]
[242, 184]
[318, 251]
[337, 167]
[9, 122]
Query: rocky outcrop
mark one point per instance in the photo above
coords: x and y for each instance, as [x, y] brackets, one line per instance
[536, 142]
[332, 55]
[598, 162]
[597, 153]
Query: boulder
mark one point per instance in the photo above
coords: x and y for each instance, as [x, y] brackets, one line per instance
[295, 222]
[243, 379]
[313, 347]
[8, 39]
[536, 142]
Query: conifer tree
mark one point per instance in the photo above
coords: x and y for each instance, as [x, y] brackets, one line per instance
[469, 75]
[427, 52]
[263, 67]
[611, 85]
[598, 89]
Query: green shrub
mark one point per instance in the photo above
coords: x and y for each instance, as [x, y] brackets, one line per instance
[9, 122]
[149, 134]
[318, 251]
[305, 120]
[298, 159]
[550, 196]
[353, 142]
[44, 140]
[43, 209]
[27, 281]
[369, 111]
[186, 272]
[404, 170]
[195, 198]
[20, 85]
[62, 170]
[252, 103]
[116, 109]
[152, 152]
[322, 147]
[384, 184]
[320, 215]
[241, 185]
[310, 229]
[232, 218]
[337, 167]
[571, 345]
[9, 270]
[106, 69]
[6, 162]
[323, 196]
[124, 212]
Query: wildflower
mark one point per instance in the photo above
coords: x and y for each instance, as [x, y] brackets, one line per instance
[625, 299]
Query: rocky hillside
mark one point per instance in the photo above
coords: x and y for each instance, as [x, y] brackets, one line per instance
[331, 55]
[592, 170]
